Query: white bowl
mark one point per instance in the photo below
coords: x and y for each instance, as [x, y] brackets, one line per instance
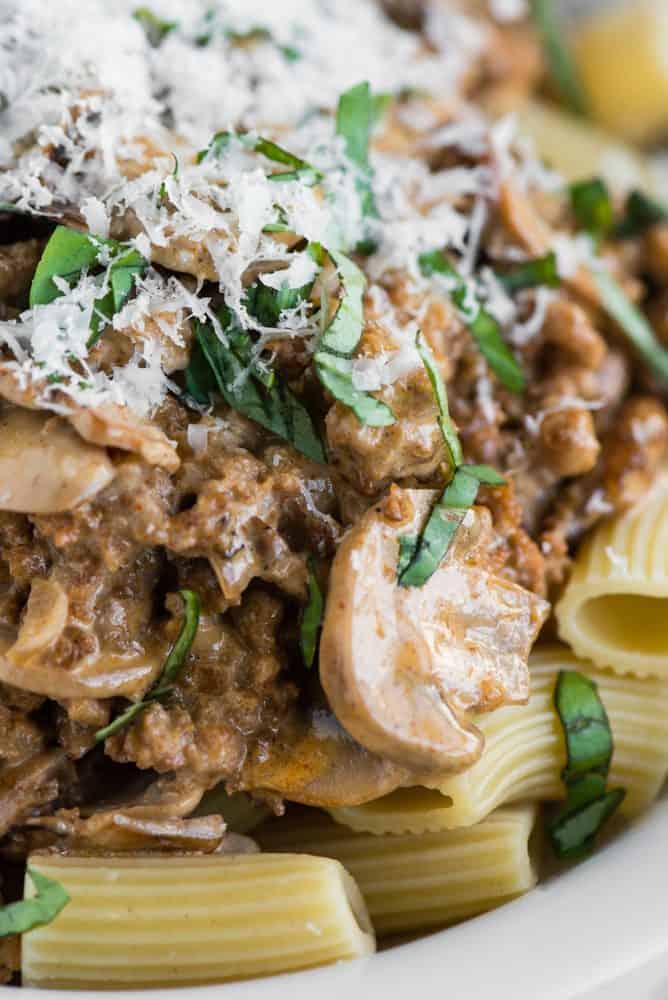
[607, 918]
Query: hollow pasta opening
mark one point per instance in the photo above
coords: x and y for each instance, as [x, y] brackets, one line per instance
[631, 622]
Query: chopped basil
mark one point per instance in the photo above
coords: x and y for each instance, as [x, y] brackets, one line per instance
[592, 206]
[484, 328]
[69, 254]
[266, 304]
[173, 664]
[334, 350]
[632, 322]
[155, 28]
[229, 368]
[589, 747]
[300, 169]
[419, 558]
[640, 213]
[558, 55]
[448, 429]
[356, 115]
[538, 273]
[311, 619]
[39, 910]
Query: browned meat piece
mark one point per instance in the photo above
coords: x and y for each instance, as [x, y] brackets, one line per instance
[10, 957]
[28, 787]
[236, 523]
[229, 693]
[373, 457]
[633, 450]
[637, 445]
[569, 328]
[20, 737]
[512, 553]
[17, 266]
[655, 256]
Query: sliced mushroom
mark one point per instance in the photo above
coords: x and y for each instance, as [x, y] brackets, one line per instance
[109, 426]
[321, 765]
[401, 666]
[106, 675]
[45, 467]
[44, 621]
[117, 427]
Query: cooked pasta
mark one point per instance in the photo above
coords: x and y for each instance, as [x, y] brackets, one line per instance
[316, 376]
[525, 754]
[415, 881]
[614, 610]
[161, 921]
[577, 149]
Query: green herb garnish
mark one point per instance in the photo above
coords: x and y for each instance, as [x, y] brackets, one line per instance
[155, 28]
[333, 355]
[69, 254]
[448, 429]
[632, 322]
[558, 55]
[640, 213]
[484, 328]
[420, 557]
[173, 664]
[592, 206]
[299, 169]
[539, 273]
[229, 368]
[589, 747]
[311, 620]
[356, 115]
[37, 911]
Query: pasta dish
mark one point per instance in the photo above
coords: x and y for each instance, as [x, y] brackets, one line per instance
[333, 496]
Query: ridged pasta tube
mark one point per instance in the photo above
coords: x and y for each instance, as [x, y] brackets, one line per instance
[525, 753]
[577, 149]
[614, 610]
[168, 921]
[412, 882]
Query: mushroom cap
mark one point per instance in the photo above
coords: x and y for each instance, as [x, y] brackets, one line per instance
[402, 666]
[45, 467]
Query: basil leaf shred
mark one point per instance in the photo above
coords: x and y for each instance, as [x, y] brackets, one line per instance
[589, 747]
[155, 28]
[36, 911]
[592, 206]
[356, 115]
[299, 169]
[333, 355]
[632, 322]
[484, 328]
[311, 620]
[640, 213]
[170, 671]
[69, 254]
[228, 367]
[558, 55]
[538, 273]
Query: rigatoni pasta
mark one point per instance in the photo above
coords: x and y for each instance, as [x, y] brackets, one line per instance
[412, 882]
[525, 754]
[614, 610]
[168, 921]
